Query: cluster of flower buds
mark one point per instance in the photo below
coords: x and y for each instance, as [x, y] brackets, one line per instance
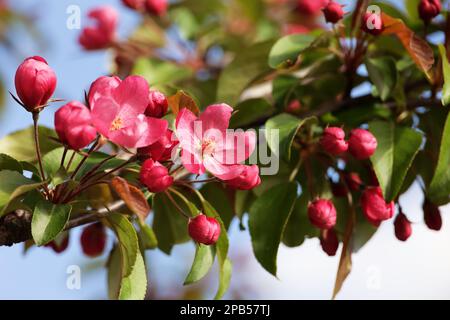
[429, 9]
[361, 144]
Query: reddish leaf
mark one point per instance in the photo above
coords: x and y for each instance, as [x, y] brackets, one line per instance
[181, 100]
[418, 49]
[132, 196]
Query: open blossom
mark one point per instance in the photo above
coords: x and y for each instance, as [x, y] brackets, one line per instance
[247, 180]
[207, 145]
[162, 149]
[35, 82]
[117, 109]
[73, 124]
[375, 207]
[103, 33]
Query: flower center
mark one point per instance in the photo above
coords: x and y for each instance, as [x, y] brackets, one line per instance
[208, 146]
[116, 124]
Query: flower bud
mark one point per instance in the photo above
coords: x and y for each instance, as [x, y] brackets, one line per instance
[322, 213]
[162, 149]
[432, 215]
[329, 242]
[353, 181]
[157, 105]
[134, 4]
[103, 33]
[73, 125]
[372, 23]
[35, 83]
[402, 227]
[156, 7]
[204, 229]
[333, 141]
[59, 244]
[293, 107]
[247, 180]
[428, 9]
[93, 240]
[155, 176]
[362, 144]
[333, 12]
[375, 207]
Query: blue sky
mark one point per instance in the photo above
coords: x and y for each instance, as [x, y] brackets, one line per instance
[385, 268]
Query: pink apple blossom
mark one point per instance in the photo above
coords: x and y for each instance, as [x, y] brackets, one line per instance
[103, 33]
[207, 145]
[118, 112]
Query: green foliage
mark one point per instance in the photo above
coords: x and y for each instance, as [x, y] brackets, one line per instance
[48, 221]
[286, 50]
[383, 73]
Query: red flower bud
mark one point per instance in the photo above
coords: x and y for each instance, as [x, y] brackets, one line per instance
[156, 7]
[162, 149]
[59, 244]
[402, 227]
[333, 12]
[375, 207]
[293, 107]
[432, 215]
[35, 83]
[329, 242]
[155, 176]
[134, 4]
[247, 180]
[428, 9]
[353, 181]
[103, 33]
[372, 23]
[73, 125]
[362, 144]
[93, 240]
[322, 213]
[204, 229]
[310, 7]
[157, 105]
[333, 141]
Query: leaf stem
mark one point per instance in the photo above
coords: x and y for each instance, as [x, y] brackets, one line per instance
[176, 205]
[91, 149]
[38, 149]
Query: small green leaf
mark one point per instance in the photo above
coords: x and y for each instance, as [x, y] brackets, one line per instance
[446, 72]
[397, 148]
[128, 241]
[287, 49]
[114, 272]
[48, 221]
[147, 237]
[268, 217]
[134, 286]
[281, 131]
[20, 144]
[439, 189]
[203, 261]
[12, 186]
[383, 74]
[224, 278]
[9, 163]
[247, 66]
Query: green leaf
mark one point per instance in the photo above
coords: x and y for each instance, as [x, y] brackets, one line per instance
[222, 245]
[281, 131]
[287, 49]
[298, 226]
[203, 261]
[114, 272]
[128, 241]
[169, 225]
[446, 73]
[147, 237]
[20, 144]
[250, 111]
[439, 189]
[134, 286]
[9, 163]
[158, 72]
[216, 193]
[48, 221]
[397, 147]
[268, 217]
[247, 66]
[12, 186]
[383, 74]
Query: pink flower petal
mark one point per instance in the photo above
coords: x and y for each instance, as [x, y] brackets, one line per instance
[236, 148]
[192, 163]
[222, 171]
[132, 96]
[216, 116]
[185, 131]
